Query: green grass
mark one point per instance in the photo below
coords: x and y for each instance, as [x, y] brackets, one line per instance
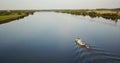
[7, 17]
[11, 17]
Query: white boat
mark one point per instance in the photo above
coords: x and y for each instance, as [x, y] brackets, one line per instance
[81, 43]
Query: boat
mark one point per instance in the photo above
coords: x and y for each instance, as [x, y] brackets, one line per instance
[81, 43]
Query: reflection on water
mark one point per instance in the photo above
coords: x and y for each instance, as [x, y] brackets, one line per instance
[48, 37]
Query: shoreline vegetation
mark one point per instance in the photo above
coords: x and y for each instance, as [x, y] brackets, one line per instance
[8, 16]
[112, 14]
[11, 15]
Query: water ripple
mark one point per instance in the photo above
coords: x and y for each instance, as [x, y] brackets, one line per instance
[93, 55]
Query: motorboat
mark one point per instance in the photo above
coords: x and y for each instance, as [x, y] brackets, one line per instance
[81, 43]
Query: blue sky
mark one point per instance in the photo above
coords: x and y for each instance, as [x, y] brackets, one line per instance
[58, 4]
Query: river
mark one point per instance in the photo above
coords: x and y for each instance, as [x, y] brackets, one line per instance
[49, 37]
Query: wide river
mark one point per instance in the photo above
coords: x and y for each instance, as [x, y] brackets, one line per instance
[49, 37]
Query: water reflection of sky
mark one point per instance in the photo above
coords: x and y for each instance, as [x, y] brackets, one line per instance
[49, 35]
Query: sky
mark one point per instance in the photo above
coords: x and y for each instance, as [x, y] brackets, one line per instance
[58, 4]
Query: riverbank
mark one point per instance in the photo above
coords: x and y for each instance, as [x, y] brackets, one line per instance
[7, 16]
[107, 14]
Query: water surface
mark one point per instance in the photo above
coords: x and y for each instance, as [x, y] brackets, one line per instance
[48, 37]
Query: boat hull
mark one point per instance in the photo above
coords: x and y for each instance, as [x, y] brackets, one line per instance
[81, 43]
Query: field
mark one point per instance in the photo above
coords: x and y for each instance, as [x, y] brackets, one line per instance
[7, 16]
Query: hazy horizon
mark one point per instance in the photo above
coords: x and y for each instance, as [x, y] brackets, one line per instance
[58, 4]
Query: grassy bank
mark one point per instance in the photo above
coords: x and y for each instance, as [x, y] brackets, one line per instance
[7, 16]
[107, 14]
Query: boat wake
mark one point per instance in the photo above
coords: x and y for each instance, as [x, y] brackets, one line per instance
[93, 55]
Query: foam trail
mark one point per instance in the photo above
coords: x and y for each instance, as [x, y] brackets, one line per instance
[93, 55]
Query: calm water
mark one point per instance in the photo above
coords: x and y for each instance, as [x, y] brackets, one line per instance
[48, 37]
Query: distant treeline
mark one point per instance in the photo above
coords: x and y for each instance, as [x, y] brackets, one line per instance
[107, 14]
[115, 9]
